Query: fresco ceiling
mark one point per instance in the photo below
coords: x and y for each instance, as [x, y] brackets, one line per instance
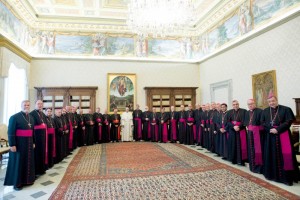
[104, 15]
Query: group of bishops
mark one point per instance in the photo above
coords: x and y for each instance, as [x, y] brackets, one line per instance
[261, 137]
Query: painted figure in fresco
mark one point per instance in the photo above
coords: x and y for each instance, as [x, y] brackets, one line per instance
[44, 47]
[122, 86]
[51, 43]
[98, 45]
[144, 48]
[245, 19]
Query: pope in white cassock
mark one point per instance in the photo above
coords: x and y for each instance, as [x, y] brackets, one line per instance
[127, 125]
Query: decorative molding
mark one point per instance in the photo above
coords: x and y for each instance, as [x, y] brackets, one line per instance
[15, 49]
[216, 15]
[220, 85]
[88, 24]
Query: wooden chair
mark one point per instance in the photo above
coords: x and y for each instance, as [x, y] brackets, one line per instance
[4, 148]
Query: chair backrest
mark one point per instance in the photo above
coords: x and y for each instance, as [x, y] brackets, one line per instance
[3, 131]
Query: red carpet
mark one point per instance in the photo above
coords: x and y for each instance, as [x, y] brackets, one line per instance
[157, 171]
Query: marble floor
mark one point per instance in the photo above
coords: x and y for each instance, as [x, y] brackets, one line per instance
[46, 184]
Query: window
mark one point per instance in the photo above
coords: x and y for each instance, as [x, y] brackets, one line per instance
[15, 91]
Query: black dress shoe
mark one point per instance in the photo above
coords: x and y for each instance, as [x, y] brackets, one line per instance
[288, 183]
[18, 188]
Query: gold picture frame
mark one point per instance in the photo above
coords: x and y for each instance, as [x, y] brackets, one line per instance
[264, 85]
[121, 91]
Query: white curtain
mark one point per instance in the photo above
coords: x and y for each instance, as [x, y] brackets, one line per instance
[15, 91]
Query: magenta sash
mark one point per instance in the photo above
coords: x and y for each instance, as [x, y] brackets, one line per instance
[71, 135]
[211, 121]
[165, 132]
[156, 132]
[139, 122]
[24, 133]
[173, 129]
[108, 128]
[243, 138]
[52, 131]
[202, 122]
[183, 121]
[43, 126]
[155, 128]
[65, 127]
[199, 133]
[257, 143]
[227, 135]
[99, 129]
[149, 130]
[195, 132]
[286, 149]
[190, 120]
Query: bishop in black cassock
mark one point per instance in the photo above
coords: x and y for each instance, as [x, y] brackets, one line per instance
[146, 135]
[190, 126]
[279, 158]
[89, 127]
[106, 127]
[59, 134]
[115, 120]
[237, 140]
[173, 125]
[98, 126]
[40, 129]
[182, 125]
[20, 168]
[137, 123]
[255, 137]
[154, 125]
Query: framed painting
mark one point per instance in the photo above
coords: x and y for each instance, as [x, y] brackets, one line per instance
[121, 91]
[263, 86]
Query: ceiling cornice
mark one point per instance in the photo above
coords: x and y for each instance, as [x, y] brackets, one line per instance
[217, 14]
[14, 48]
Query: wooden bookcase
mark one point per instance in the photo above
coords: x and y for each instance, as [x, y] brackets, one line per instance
[166, 96]
[58, 97]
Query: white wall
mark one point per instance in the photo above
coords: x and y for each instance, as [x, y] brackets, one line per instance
[45, 73]
[278, 49]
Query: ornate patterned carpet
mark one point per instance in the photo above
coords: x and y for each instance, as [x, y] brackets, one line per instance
[157, 171]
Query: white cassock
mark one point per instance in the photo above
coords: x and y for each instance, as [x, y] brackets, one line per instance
[127, 125]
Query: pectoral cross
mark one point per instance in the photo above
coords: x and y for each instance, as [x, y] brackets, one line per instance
[272, 123]
[29, 125]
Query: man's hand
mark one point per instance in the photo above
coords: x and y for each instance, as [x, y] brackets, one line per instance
[236, 128]
[13, 149]
[274, 131]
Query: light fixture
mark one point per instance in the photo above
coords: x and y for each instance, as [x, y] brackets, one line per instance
[160, 17]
